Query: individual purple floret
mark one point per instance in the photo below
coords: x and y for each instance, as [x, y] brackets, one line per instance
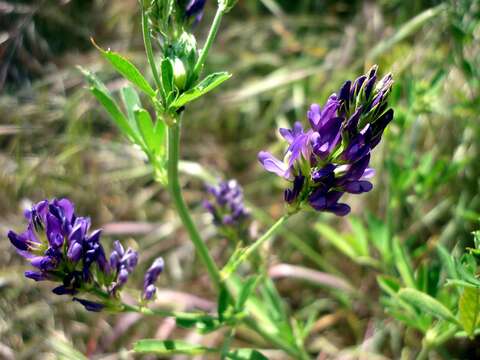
[227, 208]
[60, 247]
[90, 305]
[332, 156]
[122, 263]
[151, 277]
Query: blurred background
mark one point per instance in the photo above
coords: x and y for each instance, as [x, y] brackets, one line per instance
[56, 141]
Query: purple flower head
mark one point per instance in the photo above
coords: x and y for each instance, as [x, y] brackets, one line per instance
[227, 206]
[60, 247]
[331, 158]
[151, 277]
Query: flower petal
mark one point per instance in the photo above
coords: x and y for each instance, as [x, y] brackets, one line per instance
[272, 164]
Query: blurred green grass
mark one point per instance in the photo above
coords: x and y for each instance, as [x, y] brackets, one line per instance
[55, 141]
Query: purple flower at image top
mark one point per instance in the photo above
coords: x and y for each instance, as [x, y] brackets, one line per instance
[194, 9]
[227, 207]
[331, 157]
[60, 247]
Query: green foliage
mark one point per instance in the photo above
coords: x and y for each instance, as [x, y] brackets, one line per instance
[469, 309]
[127, 70]
[245, 354]
[427, 304]
[169, 347]
[203, 87]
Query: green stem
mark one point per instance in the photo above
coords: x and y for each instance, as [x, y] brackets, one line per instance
[447, 335]
[210, 38]
[165, 313]
[255, 246]
[147, 41]
[227, 343]
[173, 140]
[437, 341]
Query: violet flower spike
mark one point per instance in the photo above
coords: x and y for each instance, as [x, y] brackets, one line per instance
[332, 157]
[227, 207]
[59, 246]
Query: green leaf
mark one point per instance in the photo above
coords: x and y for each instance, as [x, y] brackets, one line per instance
[359, 238]
[115, 113]
[380, 237]
[447, 261]
[127, 70]
[131, 101]
[206, 85]
[93, 80]
[100, 91]
[466, 269]
[336, 239]
[469, 309]
[245, 291]
[388, 284]
[277, 309]
[255, 306]
[167, 77]
[245, 354]
[159, 131]
[145, 126]
[64, 350]
[427, 304]
[169, 347]
[204, 324]
[403, 264]
[459, 283]
[224, 300]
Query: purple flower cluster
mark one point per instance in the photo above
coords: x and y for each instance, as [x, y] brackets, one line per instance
[60, 247]
[227, 208]
[332, 156]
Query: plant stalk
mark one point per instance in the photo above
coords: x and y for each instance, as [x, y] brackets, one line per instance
[173, 140]
[147, 41]
[210, 38]
[255, 246]
[164, 313]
